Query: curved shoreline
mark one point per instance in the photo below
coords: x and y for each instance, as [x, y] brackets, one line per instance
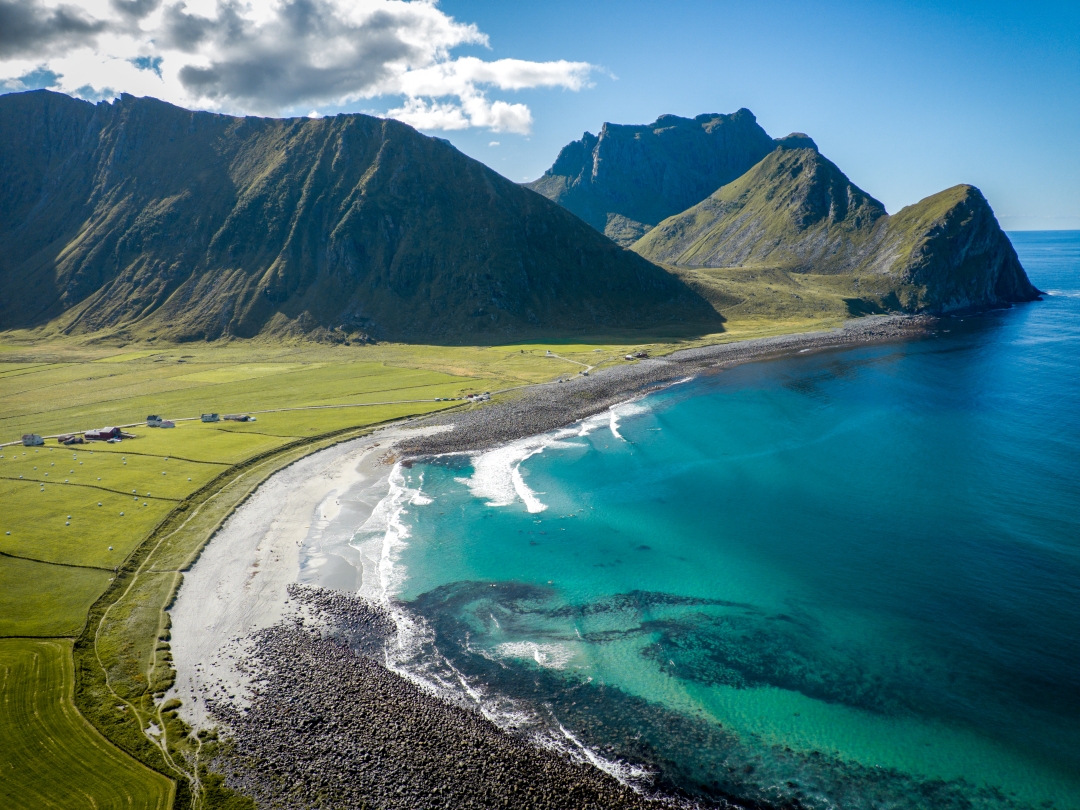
[239, 591]
[550, 406]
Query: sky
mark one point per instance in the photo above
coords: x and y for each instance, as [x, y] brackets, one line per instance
[908, 98]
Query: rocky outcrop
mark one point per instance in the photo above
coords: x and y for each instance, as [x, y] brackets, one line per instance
[629, 178]
[950, 251]
[141, 219]
[796, 211]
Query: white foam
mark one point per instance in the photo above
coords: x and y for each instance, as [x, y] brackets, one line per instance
[383, 536]
[497, 477]
[549, 656]
[632, 775]
[617, 412]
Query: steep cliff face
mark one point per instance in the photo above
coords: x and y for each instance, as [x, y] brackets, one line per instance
[951, 250]
[795, 211]
[628, 178]
[140, 215]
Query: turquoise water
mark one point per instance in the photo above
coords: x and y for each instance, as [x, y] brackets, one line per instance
[848, 578]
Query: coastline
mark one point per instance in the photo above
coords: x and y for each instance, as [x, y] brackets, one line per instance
[244, 670]
[550, 406]
[239, 584]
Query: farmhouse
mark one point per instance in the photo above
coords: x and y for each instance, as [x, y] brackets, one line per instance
[153, 421]
[103, 434]
[32, 440]
[210, 417]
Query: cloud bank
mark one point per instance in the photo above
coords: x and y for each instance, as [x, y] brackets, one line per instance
[274, 57]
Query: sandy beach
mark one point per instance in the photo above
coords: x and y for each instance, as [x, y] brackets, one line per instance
[293, 529]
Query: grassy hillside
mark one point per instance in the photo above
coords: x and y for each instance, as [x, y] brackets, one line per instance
[140, 219]
[795, 214]
[628, 178]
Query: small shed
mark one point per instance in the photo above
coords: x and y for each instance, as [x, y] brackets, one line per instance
[70, 438]
[32, 440]
[166, 423]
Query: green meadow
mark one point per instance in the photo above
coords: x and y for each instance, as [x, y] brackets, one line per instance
[50, 756]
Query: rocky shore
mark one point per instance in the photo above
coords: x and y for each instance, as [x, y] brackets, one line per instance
[541, 408]
[329, 726]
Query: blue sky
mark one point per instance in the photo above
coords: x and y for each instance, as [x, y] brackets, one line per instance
[907, 98]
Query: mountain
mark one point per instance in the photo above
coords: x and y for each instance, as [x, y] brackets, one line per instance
[796, 211]
[628, 178]
[140, 218]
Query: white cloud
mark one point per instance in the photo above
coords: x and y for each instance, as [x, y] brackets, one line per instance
[274, 57]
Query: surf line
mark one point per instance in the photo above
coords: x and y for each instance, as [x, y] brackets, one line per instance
[415, 656]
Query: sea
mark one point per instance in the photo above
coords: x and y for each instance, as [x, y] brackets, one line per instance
[841, 579]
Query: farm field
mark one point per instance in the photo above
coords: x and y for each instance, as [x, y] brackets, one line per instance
[45, 737]
[47, 601]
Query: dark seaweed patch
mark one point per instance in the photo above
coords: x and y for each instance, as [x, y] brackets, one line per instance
[692, 756]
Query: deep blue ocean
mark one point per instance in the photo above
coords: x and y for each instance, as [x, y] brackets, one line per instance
[850, 578]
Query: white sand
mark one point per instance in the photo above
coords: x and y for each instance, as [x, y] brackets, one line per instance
[297, 527]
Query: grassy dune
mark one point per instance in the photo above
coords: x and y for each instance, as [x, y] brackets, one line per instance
[50, 757]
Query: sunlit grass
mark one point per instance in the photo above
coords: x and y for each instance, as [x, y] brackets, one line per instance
[51, 756]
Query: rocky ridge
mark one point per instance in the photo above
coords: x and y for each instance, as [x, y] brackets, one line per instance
[140, 219]
[629, 177]
[796, 211]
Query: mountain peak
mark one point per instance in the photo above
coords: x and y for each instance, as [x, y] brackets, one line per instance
[796, 140]
[795, 211]
[630, 176]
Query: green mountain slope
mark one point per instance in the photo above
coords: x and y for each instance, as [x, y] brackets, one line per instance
[796, 212]
[141, 218]
[628, 178]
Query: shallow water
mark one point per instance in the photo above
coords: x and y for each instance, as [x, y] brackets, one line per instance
[851, 578]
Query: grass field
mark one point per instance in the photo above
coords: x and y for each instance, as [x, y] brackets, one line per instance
[50, 757]
[39, 599]
[771, 298]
